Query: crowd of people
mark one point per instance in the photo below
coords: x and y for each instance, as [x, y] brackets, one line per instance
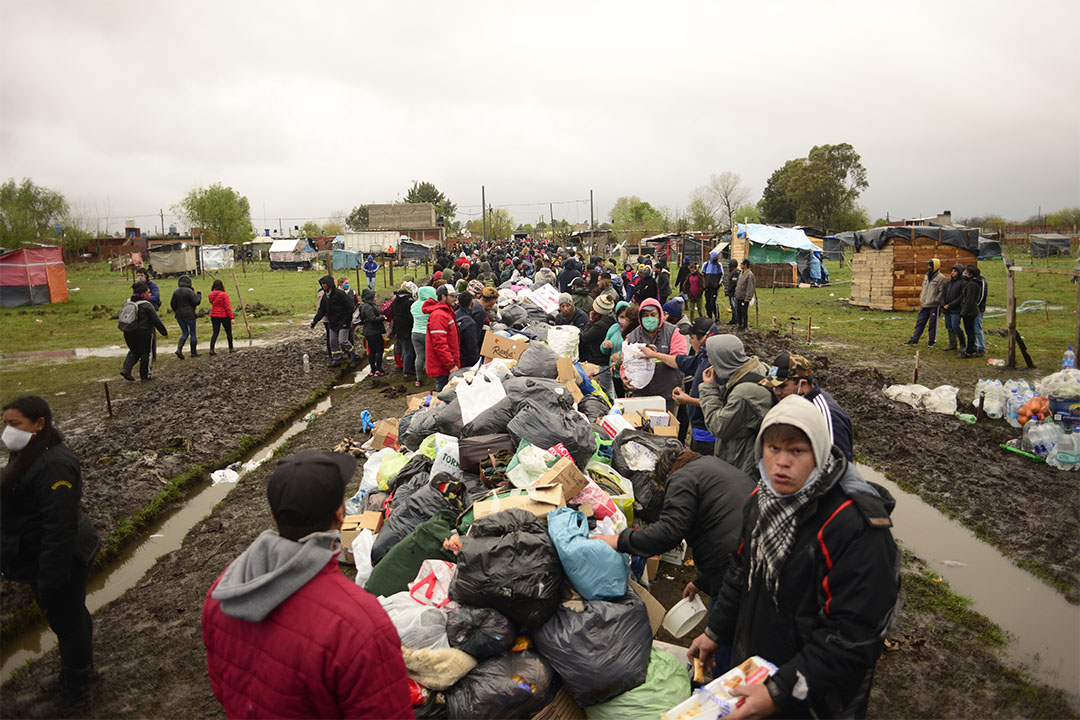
[961, 299]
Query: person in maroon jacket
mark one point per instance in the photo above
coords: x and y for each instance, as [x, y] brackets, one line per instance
[443, 349]
[286, 633]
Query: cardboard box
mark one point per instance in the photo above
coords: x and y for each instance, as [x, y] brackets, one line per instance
[497, 346]
[634, 419]
[656, 610]
[539, 500]
[614, 424]
[669, 429]
[566, 474]
[640, 404]
[352, 525]
[420, 399]
[657, 418]
[385, 434]
[568, 376]
[652, 566]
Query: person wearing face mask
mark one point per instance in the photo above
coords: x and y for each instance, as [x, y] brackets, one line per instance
[814, 582]
[790, 374]
[646, 287]
[664, 338]
[47, 540]
[612, 345]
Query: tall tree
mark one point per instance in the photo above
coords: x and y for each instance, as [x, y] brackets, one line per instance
[28, 212]
[776, 205]
[311, 229]
[425, 192]
[728, 193]
[748, 213]
[1065, 219]
[828, 184]
[223, 214]
[500, 225]
[701, 210]
[358, 218]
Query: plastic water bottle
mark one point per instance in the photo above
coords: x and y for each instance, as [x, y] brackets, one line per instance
[1012, 408]
[1068, 360]
[1068, 448]
[307, 363]
[1029, 440]
[994, 403]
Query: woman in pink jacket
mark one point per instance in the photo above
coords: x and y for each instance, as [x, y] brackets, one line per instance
[221, 314]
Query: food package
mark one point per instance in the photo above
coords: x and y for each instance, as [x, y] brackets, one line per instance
[715, 699]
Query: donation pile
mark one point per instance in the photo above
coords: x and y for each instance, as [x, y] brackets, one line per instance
[1047, 412]
[473, 523]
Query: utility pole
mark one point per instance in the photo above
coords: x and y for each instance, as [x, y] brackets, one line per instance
[483, 209]
[279, 230]
[162, 220]
[551, 212]
[592, 217]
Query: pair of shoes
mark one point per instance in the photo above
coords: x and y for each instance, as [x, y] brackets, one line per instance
[179, 354]
[912, 342]
[127, 375]
[212, 352]
[72, 689]
[980, 353]
[929, 345]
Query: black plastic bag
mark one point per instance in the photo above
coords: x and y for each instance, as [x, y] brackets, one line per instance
[415, 509]
[448, 418]
[538, 330]
[491, 421]
[648, 496]
[593, 407]
[508, 562]
[538, 360]
[537, 314]
[521, 389]
[413, 476]
[514, 315]
[515, 685]
[544, 425]
[376, 500]
[480, 632]
[423, 423]
[406, 420]
[600, 651]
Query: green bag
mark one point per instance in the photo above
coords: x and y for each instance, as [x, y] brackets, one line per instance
[398, 567]
[666, 685]
[389, 469]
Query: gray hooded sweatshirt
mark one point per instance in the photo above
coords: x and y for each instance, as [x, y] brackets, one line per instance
[270, 571]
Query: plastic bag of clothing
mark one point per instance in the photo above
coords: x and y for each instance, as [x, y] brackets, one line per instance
[529, 464]
[446, 456]
[595, 569]
[509, 563]
[538, 330]
[420, 627]
[361, 550]
[448, 418]
[544, 424]
[376, 501]
[593, 407]
[370, 479]
[492, 421]
[437, 669]
[389, 469]
[411, 478]
[420, 506]
[603, 504]
[514, 315]
[538, 360]
[515, 685]
[633, 455]
[483, 392]
[403, 561]
[666, 685]
[637, 370]
[520, 389]
[563, 340]
[422, 425]
[481, 632]
[432, 583]
[600, 648]
[537, 314]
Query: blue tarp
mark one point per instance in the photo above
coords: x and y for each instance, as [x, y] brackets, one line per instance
[777, 236]
[347, 260]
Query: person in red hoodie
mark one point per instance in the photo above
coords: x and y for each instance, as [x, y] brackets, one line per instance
[443, 349]
[286, 633]
[221, 314]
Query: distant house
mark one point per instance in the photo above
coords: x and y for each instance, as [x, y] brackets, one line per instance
[292, 254]
[419, 221]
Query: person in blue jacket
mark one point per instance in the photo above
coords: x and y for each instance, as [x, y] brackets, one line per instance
[370, 269]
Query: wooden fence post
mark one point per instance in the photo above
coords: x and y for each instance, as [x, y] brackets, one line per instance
[1010, 310]
[243, 310]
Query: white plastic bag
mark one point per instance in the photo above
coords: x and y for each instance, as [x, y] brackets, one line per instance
[420, 627]
[370, 480]
[532, 463]
[563, 339]
[636, 370]
[941, 399]
[446, 456]
[432, 583]
[361, 550]
[477, 396]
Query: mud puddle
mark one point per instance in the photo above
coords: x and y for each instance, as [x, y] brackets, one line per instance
[1044, 628]
[162, 537]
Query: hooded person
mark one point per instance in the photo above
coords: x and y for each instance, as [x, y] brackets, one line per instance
[731, 281]
[569, 272]
[139, 337]
[590, 350]
[370, 269]
[373, 329]
[951, 299]
[443, 348]
[663, 282]
[401, 328]
[337, 308]
[665, 338]
[814, 583]
[183, 304]
[930, 299]
[732, 401]
[969, 309]
[713, 273]
[469, 331]
[646, 287]
[419, 330]
[286, 634]
[684, 270]
[570, 314]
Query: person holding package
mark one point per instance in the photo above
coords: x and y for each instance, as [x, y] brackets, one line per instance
[732, 401]
[286, 633]
[813, 585]
[664, 338]
[443, 348]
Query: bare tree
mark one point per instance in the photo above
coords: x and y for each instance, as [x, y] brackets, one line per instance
[727, 192]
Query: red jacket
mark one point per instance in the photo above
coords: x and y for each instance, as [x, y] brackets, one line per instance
[441, 346]
[220, 307]
[328, 651]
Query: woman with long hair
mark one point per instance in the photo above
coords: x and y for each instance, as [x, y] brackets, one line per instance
[221, 314]
[47, 541]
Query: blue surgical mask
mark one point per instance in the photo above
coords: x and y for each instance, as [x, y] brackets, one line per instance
[346, 286]
[650, 323]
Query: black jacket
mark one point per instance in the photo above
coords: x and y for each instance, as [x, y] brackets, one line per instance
[703, 503]
[336, 307]
[468, 337]
[148, 318]
[836, 597]
[663, 285]
[954, 293]
[184, 299]
[972, 294]
[984, 291]
[730, 281]
[592, 337]
[646, 288]
[401, 315]
[43, 529]
[372, 319]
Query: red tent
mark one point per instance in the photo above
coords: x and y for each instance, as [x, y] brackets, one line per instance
[32, 276]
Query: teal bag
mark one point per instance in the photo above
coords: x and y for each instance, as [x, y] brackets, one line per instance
[595, 569]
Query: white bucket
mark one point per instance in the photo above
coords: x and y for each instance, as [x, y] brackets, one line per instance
[682, 618]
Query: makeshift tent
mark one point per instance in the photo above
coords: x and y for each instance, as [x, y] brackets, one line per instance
[773, 252]
[1047, 244]
[173, 259]
[347, 260]
[259, 249]
[889, 264]
[832, 248]
[989, 249]
[291, 254]
[32, 276]
[413, 250]
[216, 257]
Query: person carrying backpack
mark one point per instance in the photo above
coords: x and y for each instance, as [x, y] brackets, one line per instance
[138, 320]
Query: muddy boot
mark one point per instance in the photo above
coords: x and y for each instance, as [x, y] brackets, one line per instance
[180, 350]
[952, 341]
[126, 374]
[194, 352]
[73, 691]
[961, 341]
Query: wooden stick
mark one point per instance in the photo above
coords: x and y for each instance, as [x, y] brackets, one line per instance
[809, 331]
[980, 414]
[1010, 311]
[915, 377]
[243, 310]
[108, 400]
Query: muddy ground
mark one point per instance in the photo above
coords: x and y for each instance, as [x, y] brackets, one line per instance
[148, 646]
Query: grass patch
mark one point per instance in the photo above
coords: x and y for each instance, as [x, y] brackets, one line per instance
[928, 592]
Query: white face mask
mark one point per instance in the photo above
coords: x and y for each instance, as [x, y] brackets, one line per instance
[14, 438]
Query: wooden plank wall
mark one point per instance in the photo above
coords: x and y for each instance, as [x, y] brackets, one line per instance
[891, 278]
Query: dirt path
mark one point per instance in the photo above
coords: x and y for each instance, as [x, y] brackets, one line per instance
[149, 646]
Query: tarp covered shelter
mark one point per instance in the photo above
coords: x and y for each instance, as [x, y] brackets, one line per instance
[347, 260]
[173, 259]
[989, 249]
[32, 276]
[413, 250]
[876, 238]
[832, 248]
[1047, 244]
[291, 254]
[216, 257]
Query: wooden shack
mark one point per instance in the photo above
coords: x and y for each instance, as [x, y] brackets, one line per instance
[889, 263]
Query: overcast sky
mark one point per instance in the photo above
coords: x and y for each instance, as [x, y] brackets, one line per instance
[312, 107]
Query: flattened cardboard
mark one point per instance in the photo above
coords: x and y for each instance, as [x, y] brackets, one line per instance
[568, 376]
[656, 610]
[566, 474]
[539, 500]
[497, 346]
[385, 434]
[352, 525]
[652, 566]
[418, 400]
[639, 403]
